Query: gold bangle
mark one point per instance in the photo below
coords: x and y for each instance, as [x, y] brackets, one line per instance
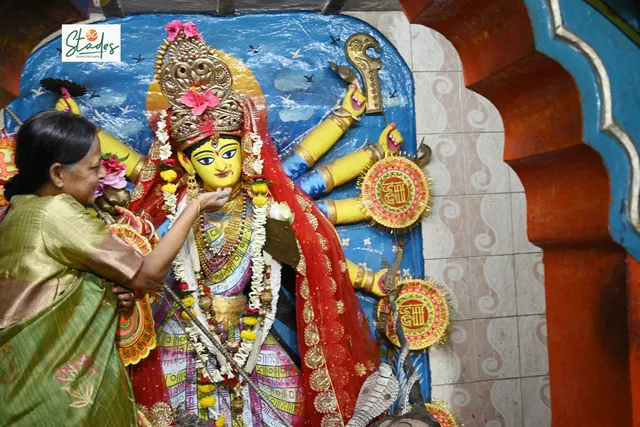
[358, 282]
[331, 211]
[368, 284]
[342, 123]
[374, 151]
[327, 177]
[306, 156]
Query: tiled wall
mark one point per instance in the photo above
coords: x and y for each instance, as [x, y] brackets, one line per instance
[493, 370]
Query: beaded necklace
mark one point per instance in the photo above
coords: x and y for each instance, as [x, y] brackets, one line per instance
[213, 253]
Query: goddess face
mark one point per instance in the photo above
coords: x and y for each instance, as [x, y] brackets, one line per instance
[218, 162]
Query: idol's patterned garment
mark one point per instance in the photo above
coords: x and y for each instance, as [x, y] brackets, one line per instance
[58, 356]
[275, 373]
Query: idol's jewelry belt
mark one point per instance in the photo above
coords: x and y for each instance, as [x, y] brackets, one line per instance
[227, 309]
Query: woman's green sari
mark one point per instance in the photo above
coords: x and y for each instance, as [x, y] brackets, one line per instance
[59, 365]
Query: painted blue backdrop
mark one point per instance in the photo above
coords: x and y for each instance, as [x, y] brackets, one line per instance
[289, 54]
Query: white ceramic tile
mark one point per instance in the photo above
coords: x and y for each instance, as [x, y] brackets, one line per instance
[394, 26]
[490, 228]
[521, 242]
[446, 168]
[445, 230]
[478, 113]
[493, 286]
[485, 169]
[497, 355]
[454, 362]
[514, 182]
[453, 275]
[437, 102]
[536, 402]
[534, 356]
[530, 284]
[431, 51]
[462, 399]
[500, 403]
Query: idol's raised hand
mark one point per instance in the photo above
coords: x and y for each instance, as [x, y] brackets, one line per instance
[68, 105]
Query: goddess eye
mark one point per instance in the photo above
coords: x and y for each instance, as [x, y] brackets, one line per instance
[229, 154]
[205, 160]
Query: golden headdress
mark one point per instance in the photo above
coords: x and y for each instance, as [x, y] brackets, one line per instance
[197, 84]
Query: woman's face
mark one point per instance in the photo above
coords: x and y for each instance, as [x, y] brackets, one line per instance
[81, 180]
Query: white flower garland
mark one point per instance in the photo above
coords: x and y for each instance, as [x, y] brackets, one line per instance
[258, 241]
[170, 199]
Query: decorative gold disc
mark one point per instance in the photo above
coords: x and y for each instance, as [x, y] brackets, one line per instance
[424, 314]
[444, 416]
[394, 193]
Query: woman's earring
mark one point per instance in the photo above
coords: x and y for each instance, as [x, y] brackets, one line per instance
[192, 187]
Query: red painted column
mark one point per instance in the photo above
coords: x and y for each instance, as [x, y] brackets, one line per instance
[591, 356]
[633, 304]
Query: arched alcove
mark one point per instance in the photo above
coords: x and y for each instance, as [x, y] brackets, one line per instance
[567, 192]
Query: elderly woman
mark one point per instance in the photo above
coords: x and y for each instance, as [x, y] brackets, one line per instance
[58, 360]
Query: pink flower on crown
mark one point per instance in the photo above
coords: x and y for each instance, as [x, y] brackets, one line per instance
[190, 30]
[173, 28]
[199, 102]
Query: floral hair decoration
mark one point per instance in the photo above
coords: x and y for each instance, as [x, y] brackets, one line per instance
[190, 30]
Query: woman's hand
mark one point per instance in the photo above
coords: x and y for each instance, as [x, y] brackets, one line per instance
[126, 298]
[157, 264]
[213, 200]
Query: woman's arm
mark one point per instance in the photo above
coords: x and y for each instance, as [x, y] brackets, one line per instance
[156, 265]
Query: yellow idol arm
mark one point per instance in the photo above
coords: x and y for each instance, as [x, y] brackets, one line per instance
[368, 281]
[326, 134]
[350, 166]
[343, 211]
[108, 143]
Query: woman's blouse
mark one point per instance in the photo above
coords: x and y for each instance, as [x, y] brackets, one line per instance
[46, 243]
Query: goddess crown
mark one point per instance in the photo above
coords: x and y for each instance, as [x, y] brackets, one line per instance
[197, 84]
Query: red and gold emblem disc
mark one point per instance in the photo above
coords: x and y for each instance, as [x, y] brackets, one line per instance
[444, 416]
[423, 311]
[394, 193]
[7, 162]
[135, 335]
